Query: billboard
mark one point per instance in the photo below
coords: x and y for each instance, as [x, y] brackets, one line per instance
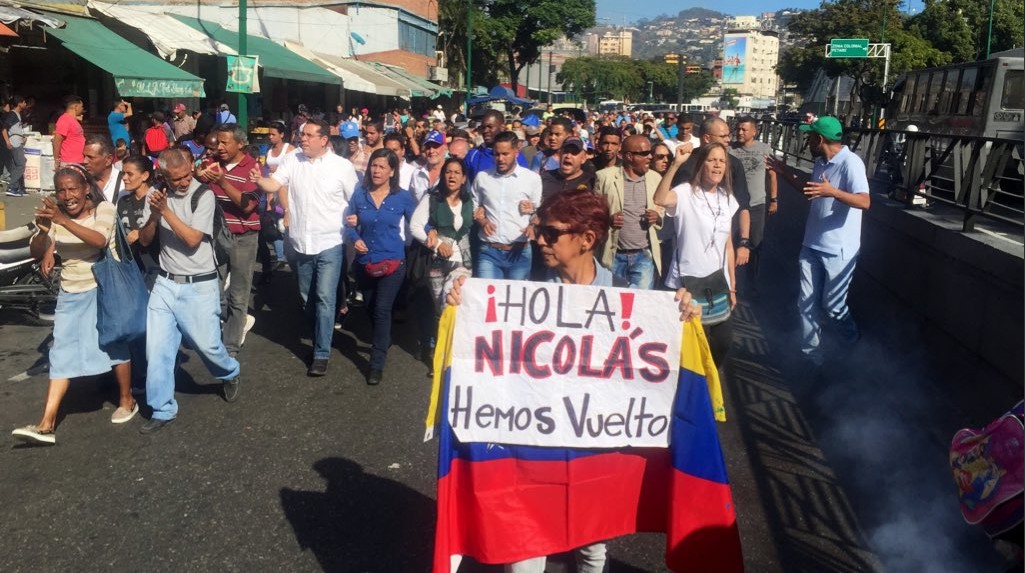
[734, 58]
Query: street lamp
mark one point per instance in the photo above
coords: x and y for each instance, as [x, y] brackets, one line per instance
[651, 86]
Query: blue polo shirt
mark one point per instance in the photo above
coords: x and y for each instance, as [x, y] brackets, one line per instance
[482, 158]
[379, 227]
[832, 227]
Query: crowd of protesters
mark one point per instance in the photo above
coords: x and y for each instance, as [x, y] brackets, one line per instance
[390, 209]
[395, 210]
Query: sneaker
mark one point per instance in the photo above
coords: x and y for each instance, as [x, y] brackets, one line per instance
[318, 367]
[154, 425]
[250, 322]
[15, 193]
[33, 435]
[121, 415]
[375, 377]
[231, 389]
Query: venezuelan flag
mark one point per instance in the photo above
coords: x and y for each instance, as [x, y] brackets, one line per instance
[503, 503]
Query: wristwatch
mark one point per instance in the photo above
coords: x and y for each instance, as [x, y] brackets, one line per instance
[745, 243]
[772, 199]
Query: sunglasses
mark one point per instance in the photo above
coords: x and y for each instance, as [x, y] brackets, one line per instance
[551, 234]
[642, 153]
[662, 156]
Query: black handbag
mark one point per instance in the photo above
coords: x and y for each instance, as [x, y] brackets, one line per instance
[418, 264]
[269, 227]
[712, 292]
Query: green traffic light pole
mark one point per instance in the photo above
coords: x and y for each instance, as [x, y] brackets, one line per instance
[989, 39]
[243, 101]
[469, 53]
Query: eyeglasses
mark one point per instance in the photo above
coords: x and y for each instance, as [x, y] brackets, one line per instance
[551, 234]
[641, 152]
[662, 156]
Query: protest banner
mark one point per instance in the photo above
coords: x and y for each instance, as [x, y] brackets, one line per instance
[548, 364]
[516, 367]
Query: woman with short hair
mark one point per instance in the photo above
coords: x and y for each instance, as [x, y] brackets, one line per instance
[571, 226]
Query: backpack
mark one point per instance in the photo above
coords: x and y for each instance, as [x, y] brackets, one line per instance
[221, 239]
[988, 465]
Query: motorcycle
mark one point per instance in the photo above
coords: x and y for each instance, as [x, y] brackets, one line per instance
[23, 286]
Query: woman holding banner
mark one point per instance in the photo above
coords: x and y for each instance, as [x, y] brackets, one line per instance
[703, 260]
[572, 224]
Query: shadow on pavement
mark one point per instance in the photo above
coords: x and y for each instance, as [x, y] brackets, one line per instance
[362, 522]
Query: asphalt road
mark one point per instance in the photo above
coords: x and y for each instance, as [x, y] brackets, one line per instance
[838, 470]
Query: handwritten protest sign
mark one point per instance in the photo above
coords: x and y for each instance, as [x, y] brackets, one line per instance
[548, 364]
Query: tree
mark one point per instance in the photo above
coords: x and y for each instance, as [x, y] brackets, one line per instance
[452, 19]
[518, 29]
[597, 78]
[961, 28]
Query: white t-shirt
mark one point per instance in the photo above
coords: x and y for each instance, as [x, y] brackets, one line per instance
[114, 186]
[703, 224]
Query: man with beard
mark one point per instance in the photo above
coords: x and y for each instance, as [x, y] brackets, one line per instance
[839, 194]
[374, 136]
[482, 157]
[609, 142]
[318, 185]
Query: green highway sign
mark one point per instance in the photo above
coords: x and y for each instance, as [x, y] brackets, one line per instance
[848, 48]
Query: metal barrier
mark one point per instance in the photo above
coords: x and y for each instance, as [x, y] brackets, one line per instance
[981, 176]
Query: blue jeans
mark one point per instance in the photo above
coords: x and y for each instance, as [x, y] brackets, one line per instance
[825, 280]
[192, 311]
[379, 296]
[318, 285]
[638, 268]
[494, 263]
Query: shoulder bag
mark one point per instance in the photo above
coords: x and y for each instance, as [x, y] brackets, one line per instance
[121, 297]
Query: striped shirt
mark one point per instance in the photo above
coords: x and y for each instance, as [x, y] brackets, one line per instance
[238, 222]
[76, 256]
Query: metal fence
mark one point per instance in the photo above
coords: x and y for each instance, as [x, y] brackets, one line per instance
[980, 176]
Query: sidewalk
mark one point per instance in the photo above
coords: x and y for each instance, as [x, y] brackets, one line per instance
[851, 461]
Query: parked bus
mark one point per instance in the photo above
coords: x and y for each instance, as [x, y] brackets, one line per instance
[984, 98]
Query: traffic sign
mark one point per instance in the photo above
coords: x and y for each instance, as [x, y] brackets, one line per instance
[848, 48]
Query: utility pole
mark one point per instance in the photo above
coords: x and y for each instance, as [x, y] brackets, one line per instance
[243, 40]
[989, 38]
[550, 67]
[469, 54]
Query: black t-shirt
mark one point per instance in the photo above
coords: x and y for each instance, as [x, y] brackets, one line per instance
[131, 211]
[553, 182]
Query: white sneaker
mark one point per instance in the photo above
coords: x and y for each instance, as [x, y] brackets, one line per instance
[250, 322]
[34, 435]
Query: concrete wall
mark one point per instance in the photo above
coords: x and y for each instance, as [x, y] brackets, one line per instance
[969, 285]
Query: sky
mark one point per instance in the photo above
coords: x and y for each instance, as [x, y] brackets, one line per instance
[612, 12]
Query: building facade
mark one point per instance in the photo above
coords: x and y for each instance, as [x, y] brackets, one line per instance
[749, 62]
[610, 41]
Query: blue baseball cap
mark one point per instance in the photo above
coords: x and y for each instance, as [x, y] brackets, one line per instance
[349, 130]
[435, 136]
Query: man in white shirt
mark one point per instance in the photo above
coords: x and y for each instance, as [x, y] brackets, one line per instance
[684, 134]
[504, 198]
[99, 161]
[316, 186]
[427, 175]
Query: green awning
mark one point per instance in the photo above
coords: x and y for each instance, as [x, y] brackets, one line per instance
[137, 73]
[419, 87]
[275, 60]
